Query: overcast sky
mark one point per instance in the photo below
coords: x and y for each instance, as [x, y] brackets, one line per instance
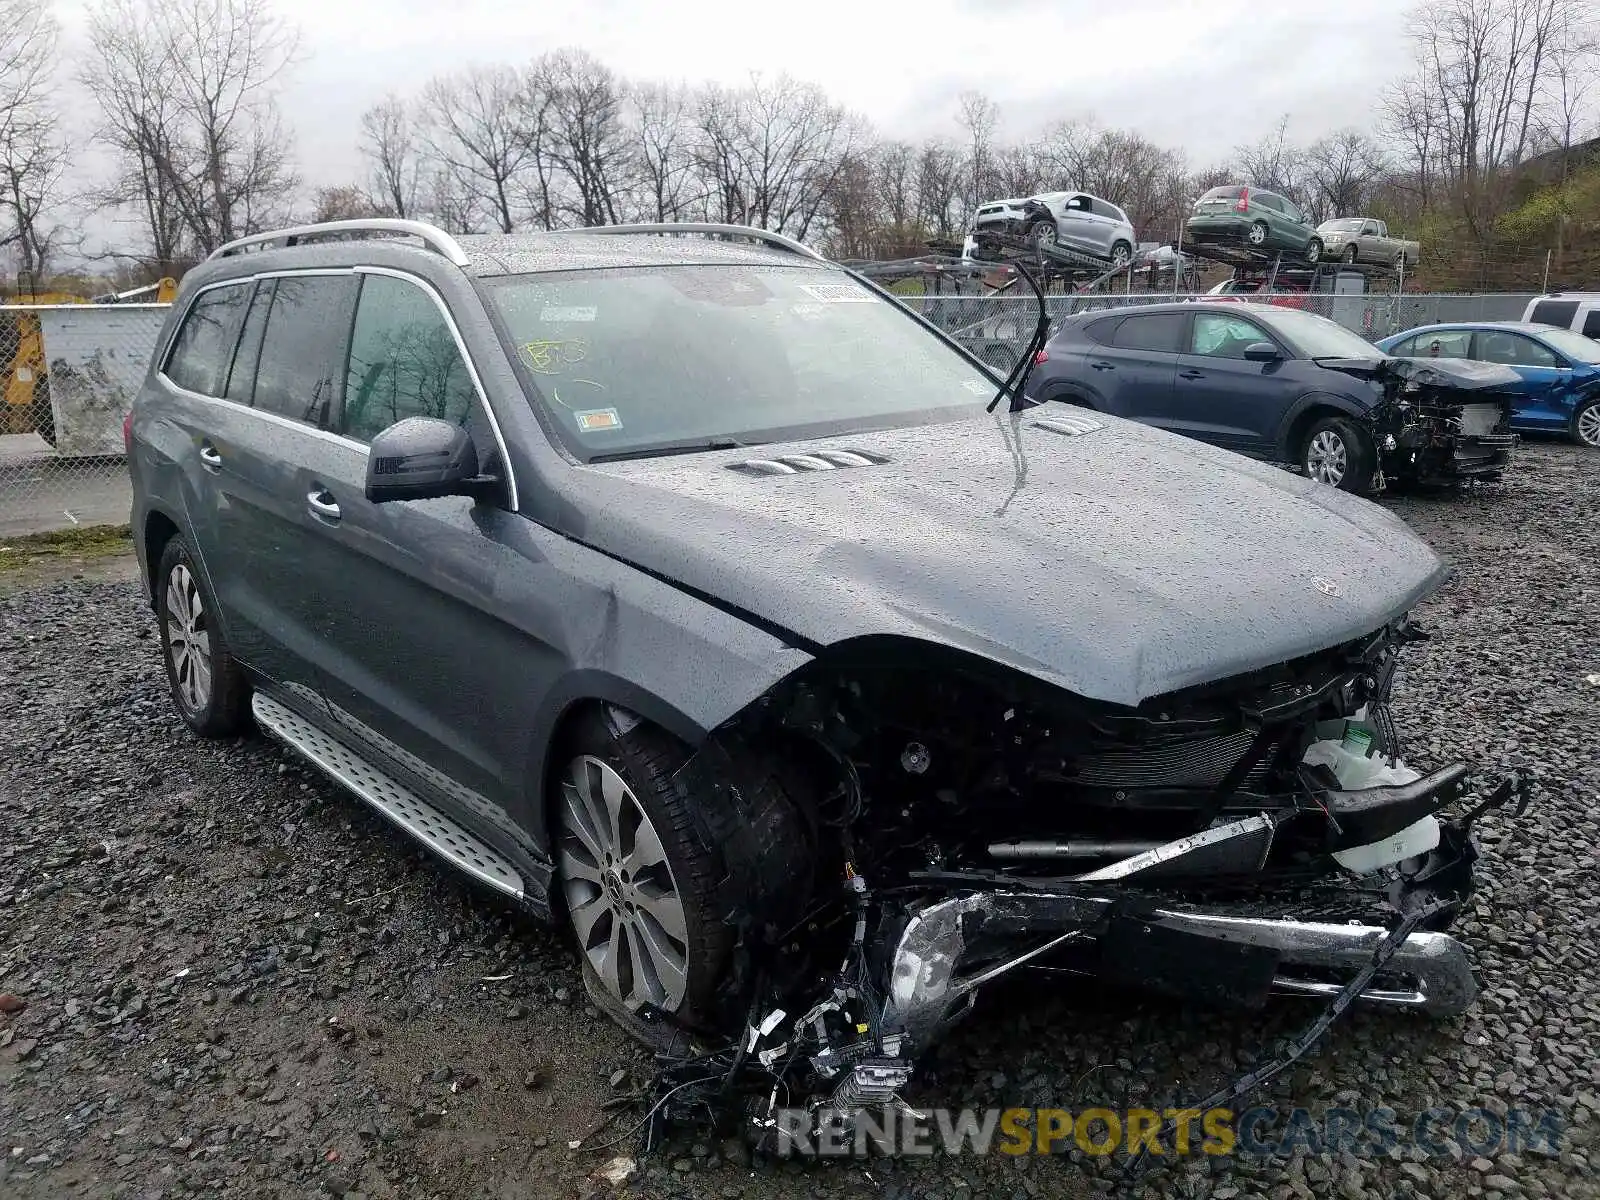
[1202, 76]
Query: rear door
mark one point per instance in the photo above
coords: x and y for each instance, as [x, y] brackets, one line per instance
[1132, 368]
[279, 391]
[1545, 399]
[1221, 397]
[419, 666]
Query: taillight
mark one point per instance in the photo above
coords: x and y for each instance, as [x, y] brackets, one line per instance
[127, 433]
[1243, 203]
[1042, 357]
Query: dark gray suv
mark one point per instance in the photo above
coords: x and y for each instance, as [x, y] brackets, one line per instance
[677, 584]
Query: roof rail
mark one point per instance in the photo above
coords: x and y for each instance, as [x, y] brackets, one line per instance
[776, 240]
[432, 236]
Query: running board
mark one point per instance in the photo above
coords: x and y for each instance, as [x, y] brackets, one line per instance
[462, 850]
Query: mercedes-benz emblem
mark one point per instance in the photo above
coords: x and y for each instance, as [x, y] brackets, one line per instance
[1326, 586]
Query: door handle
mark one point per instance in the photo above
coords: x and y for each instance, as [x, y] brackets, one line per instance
[322, 504]
[1191, 374]
[209, 457]
[1102, 366]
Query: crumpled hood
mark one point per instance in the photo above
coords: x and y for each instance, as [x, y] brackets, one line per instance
[1120, 563]
[1467, 375]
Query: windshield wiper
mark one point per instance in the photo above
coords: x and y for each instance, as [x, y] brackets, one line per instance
[1017, 381]
[663, 451]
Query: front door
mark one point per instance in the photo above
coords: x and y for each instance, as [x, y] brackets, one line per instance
[1545, 399]
[1219, 395]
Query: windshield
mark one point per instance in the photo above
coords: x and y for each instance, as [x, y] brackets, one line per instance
[1345, 224]
[638, 360]
[1318, 337]
[1574, 345]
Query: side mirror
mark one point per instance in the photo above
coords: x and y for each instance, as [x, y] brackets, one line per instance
[1262, 352]
[420, 458]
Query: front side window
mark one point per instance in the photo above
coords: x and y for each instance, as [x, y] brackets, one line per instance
[204, 345]
[1223, 336]
[404, 362]
[1444, 343]
[1575, 346]
[633, 361]
[301, 366]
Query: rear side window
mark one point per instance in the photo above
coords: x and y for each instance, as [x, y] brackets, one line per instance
[242, 379]
[1404, 348]
[1224, 193]
[1591, 323]
[1102, 209]
[204, 344]
[302, 362]
[1555, 312]
[1159, 332]
[1102, 330]
[404, 362]
[1444, 343]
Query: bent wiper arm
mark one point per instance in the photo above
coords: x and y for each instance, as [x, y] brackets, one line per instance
[1017, 381]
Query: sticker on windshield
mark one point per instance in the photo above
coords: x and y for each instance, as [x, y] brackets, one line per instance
[570, 312]
[977, 387]
[592, 420]
[838, 293]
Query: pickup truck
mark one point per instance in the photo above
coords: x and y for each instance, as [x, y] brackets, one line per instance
[1365, 239]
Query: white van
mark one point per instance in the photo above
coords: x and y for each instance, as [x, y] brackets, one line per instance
[1577, 311]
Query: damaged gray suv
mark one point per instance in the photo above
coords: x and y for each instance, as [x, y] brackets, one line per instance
[681, 586]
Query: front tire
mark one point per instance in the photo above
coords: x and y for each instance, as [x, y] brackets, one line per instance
[1351, 253]
[1586, 424]
[1042, 233]
[207, 685]
[643, 863]
[1335, 452]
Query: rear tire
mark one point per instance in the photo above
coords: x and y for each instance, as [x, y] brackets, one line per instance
[1121, 252]
[1335, 452]
[1258, 233]
[1586, 424]
[1314, 250]
[208, 686]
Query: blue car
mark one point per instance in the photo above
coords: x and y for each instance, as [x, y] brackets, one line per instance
[1560, 369]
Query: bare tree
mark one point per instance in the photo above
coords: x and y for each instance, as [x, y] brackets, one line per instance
[662, 121]
[772, 152]
[938, 187]
[1343, 172]
[187, 95]
[1275, 163]
[476, 129]
[389, 144]
[32, 157]
[586, 139]
[346, 203]
[979, 116]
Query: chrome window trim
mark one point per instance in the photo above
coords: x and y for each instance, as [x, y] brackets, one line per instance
[338, 438]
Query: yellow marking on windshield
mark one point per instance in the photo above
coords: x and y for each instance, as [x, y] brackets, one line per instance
[549, 357]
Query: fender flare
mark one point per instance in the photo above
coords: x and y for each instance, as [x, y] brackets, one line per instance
[1343, 405]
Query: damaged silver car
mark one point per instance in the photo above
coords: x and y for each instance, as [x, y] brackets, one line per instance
[695, 594]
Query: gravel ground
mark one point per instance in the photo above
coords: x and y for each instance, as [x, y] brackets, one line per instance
[237, 982]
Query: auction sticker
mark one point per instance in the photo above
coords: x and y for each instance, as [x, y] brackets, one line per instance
[567, 313]
[838, 293]
[593, 420]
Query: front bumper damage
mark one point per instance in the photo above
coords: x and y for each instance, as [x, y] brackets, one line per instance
[920, 953]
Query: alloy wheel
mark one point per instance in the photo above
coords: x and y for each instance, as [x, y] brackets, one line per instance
[1589, 426]
[1327, 459]
[1258, 234]
[188, 639]
[620, 892]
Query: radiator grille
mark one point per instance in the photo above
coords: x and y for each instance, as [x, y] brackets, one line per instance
[1479, 419]
[1202, 762]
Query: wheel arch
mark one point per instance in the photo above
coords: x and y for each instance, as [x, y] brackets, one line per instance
[158, 529]
[1306, 412]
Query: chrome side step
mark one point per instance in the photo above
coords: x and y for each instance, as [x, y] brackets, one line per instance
[462, 850]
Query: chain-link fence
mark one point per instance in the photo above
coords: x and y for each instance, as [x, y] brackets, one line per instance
[997, 327]
[71, 372]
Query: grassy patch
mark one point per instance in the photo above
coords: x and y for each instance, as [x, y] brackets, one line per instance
[78, 543]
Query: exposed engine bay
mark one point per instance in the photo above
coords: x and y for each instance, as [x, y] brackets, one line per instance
[1439, 422]
[958, 821]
